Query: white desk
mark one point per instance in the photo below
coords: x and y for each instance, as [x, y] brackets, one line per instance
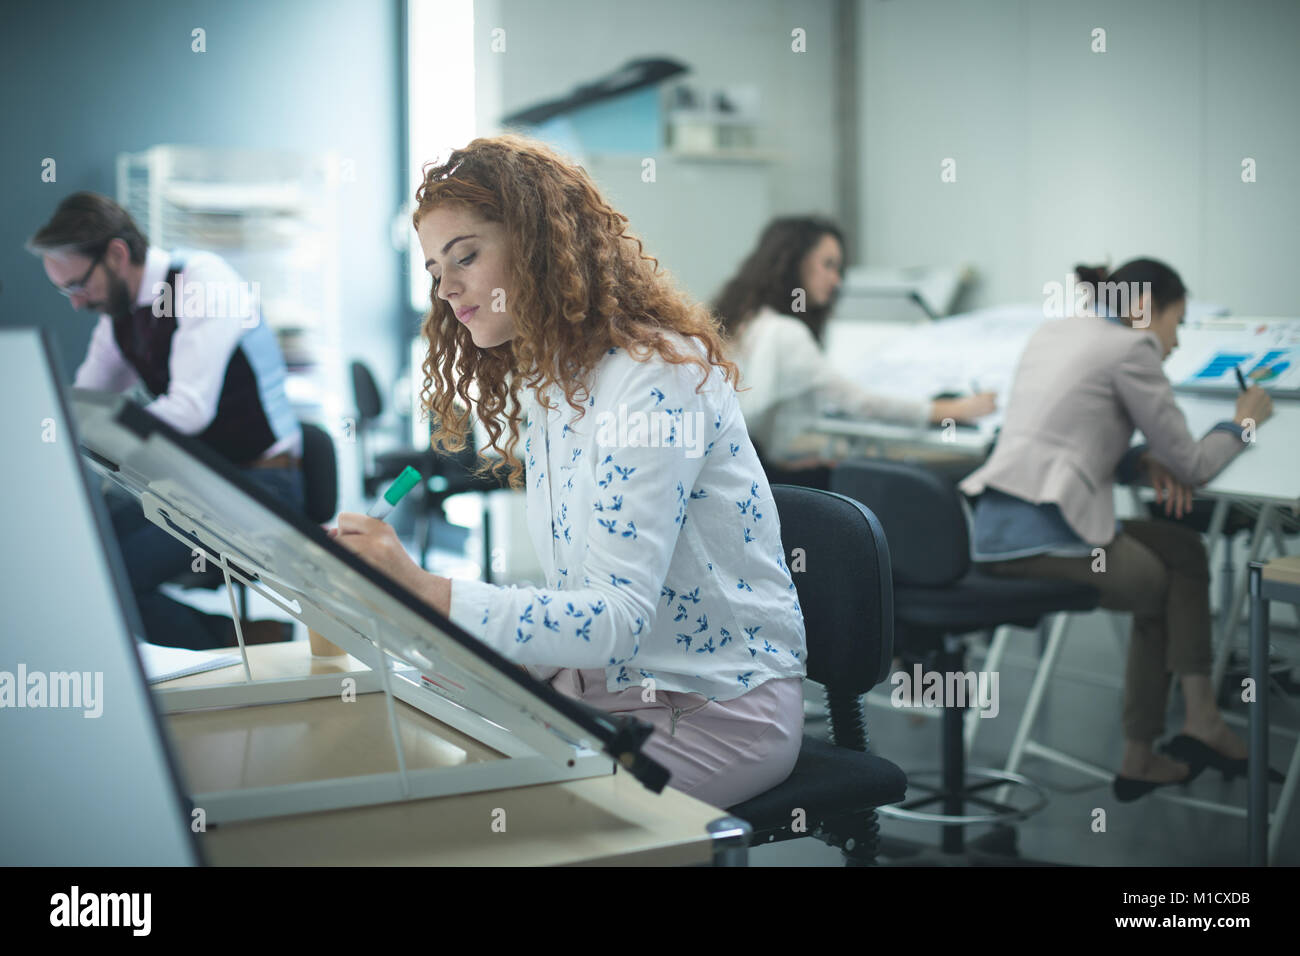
[1266, 473]
[982, 349]
[1263, 479]
[864, 435]
[956, 354]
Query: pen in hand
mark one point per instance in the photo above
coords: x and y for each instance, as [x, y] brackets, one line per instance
[386, 502]
[378, 545]
[1254, 405]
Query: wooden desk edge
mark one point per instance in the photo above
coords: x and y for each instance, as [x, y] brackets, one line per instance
[1284, 570]
[677, 849]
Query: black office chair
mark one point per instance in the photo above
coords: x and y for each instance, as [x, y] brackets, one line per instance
[320, 487]
[938, 597]
[844, 590]
[320, 474]
[446, 473]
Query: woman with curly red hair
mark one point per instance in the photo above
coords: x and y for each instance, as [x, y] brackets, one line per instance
[646, 502]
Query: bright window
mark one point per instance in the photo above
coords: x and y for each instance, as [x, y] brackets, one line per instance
[440, 98]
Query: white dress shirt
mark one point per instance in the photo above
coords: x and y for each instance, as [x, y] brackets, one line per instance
[200, 349]
[658, 537]
[787, 382]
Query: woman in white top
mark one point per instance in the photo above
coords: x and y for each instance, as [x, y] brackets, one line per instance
[773, 312]
[666, 591]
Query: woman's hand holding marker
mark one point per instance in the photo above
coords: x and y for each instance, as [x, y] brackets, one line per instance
[373, 540]
[386, 502]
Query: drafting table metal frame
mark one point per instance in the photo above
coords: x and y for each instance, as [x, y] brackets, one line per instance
[867, 435]
[543, 736]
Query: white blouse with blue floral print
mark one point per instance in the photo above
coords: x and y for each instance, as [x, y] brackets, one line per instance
[658, 536]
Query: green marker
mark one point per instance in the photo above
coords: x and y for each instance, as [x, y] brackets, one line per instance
[407, 480]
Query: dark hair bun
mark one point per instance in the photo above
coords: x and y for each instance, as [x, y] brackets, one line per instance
[1090, 274]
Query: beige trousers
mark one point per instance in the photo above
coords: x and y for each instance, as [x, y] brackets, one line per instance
[1158, 571]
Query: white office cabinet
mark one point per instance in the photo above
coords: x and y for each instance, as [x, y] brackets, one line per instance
[273, 216]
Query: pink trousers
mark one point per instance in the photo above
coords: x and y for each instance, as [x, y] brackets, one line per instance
[722, 752]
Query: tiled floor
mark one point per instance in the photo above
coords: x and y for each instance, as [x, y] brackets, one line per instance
[1081, 716]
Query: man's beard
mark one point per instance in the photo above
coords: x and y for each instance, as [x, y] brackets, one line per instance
[118, 303]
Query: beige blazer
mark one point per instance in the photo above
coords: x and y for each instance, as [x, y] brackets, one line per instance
[1082, 386]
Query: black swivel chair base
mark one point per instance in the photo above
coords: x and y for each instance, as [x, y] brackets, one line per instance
[998, 847]
[953, 786]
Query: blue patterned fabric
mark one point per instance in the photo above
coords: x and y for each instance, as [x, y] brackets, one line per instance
[658, 536]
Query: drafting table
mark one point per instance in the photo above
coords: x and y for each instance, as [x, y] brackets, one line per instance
[413, 654]
[90, 779]
[958, 355]
[1265, 479]
[609, 819]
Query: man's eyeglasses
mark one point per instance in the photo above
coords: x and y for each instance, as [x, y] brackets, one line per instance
[79, 287]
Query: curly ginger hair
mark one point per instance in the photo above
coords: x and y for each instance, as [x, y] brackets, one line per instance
[580, 284]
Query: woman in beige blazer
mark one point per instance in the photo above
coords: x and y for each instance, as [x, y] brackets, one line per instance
[1046, 505]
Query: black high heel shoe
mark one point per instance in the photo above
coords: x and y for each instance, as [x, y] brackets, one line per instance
[1200, 754]
[1128, 789]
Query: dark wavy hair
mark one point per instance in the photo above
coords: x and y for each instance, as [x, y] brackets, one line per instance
[580, 284]
[770, 274]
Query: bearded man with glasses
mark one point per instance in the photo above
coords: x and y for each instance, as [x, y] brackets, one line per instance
[212, 366]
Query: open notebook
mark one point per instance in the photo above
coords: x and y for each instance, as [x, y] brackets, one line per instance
[167, 663]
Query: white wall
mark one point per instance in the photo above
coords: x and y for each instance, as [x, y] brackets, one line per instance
[553, 46]
[1065, 155]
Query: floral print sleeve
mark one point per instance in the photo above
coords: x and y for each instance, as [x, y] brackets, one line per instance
[616, 484]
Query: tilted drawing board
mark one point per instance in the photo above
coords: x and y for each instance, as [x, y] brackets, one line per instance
[89, 773]
[413, 652]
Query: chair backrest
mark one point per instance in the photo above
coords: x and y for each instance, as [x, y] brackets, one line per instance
[922, 516]
[366, 394]
[839, 562]
[320, 473]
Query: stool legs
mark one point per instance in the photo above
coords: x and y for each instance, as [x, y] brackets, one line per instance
[997, 648]
[1046, 668]
[954, 792]
[1232, 613]
[950, 661]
